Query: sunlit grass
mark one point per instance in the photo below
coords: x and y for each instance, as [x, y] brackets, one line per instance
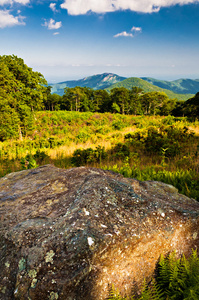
[73, 131]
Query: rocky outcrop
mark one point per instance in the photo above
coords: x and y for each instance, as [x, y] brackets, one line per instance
[67, 234]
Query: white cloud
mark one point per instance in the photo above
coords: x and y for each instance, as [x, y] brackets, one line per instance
[136, 29]
[79, 7]
[51, 24]
[3, 2]
[123, 33]
[53, 7]
[55, 33]
[8, 20]
[24, 2]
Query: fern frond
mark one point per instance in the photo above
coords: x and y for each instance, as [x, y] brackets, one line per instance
[157, 292]
[146, 292]
[115, 295]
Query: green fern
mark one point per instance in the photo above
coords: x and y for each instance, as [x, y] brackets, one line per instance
[146, 292]
[177, 279]
[115, 295]
[157, 292]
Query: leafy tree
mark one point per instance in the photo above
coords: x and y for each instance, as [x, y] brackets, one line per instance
[26, 119]
[167, 107]
[87, 99]
[191, 107]
[74, 98]
[115, 108]
[9, 122]
[120, 96]
[53, 101]
[21, 92]
[22, 83]
[135, 106]
[178, 109]
[101, 101]
[152, 102]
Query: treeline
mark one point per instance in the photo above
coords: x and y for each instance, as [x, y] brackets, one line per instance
[119, 100]
[123, 101]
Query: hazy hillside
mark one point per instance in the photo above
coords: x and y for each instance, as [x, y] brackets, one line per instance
[181, 89]
[100, 81]
[180, 86]
[148, 87]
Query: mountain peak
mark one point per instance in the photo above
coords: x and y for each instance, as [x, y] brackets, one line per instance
[98, 81]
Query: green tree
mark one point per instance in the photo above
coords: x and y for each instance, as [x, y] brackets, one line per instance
[53, 101]
[22, 83]
[135, 106]
[178, 109]
[87, 99]
[167, 107]
[9, 122]
[191, 107]
[21, 92]
[101, 101]
[152, 102]
[120, 96]
[74, 98]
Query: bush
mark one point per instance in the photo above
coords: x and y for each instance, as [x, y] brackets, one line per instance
[121, 150]
[40, 156]
[28, 162]
[83, 156]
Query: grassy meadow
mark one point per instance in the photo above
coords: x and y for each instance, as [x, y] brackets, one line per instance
[142, 147]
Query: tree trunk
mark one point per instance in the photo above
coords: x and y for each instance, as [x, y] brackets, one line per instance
[20, 134]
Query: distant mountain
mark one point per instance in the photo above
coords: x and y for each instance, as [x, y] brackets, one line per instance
[148, 87]
[180, 86]
[100, 81]
[181, 89]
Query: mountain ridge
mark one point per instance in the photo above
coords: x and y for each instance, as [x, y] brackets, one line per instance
[183, 88]
[148, 87]
[180, 86]
[98, 81]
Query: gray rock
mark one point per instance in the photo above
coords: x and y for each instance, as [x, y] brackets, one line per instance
[68, 234]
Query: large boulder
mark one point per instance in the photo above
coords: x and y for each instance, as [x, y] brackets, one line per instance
[68, 234]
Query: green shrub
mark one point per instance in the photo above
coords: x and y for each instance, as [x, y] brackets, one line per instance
[52, 142]
[121, 150]
[28, 162]
[40, 156]
[83, 156]
[118, 124]
[83, 136]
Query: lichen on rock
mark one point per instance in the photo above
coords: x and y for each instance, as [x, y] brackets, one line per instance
[49, 256]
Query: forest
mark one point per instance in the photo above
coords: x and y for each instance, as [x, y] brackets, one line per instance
[140, 135]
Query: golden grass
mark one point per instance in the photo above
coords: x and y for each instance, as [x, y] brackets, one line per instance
[106, 142]
[194, 129]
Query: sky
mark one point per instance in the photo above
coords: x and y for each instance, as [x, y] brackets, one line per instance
[72, 39]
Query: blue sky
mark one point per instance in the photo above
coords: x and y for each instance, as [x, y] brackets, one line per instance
[71, 39]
